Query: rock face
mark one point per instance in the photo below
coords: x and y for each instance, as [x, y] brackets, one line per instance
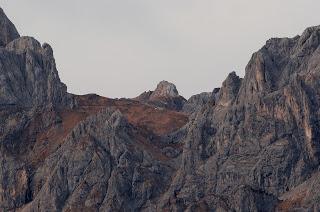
[28, 75]
[196, 102]
[165, 89]
[8, 31]
[165, 95]
[251, 145]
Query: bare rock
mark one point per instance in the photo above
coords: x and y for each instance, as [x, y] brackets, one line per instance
[165, 95]
[164, 89]
[8, 31]
[251, 145]
[28, 75]
[196, 102]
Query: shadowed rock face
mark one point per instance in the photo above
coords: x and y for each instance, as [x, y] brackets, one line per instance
[8, 31]
[251, 145]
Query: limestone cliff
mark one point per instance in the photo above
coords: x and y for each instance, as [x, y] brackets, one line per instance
[251, 145]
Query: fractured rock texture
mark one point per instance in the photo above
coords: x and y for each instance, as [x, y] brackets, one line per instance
[28, 75]
[8, 31]
[165, 95]
[251, 145]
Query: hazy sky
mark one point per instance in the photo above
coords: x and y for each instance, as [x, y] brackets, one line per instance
[120, 48]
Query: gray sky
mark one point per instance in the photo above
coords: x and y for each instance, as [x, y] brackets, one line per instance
[120, 48]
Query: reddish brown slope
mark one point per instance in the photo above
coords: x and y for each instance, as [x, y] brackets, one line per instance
[148, 120]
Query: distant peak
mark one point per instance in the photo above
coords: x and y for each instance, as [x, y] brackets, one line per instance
[165, 89]
[8, 31]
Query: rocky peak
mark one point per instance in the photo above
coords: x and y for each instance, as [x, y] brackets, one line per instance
[165, 89]
[197, 101]
[230, 88]
[251, 145]
[310, 37]
[8, 31]
[233, 81]
[28, 74]
[23, 44]
[279, 61]
[166, 96]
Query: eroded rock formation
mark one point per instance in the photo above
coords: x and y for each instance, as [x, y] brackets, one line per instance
[8, 31]
[165, 95]
[251, 145]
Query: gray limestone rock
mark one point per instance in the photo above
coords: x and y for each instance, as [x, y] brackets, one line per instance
[165, 95]
[251, 145]
[8, 31]
[28, 75]
[165, 89]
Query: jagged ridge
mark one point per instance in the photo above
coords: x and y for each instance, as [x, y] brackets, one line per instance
[251, 145]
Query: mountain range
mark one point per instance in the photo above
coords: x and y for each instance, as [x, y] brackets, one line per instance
[251, 145]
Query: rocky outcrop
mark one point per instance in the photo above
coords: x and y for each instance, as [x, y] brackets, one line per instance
[229, 90]
[164, 90]
[8, 31]
[303, 196]
[260, 137]
[165, 95]
[101, 165]
[251, 145]
[196, 102]
[28, 75]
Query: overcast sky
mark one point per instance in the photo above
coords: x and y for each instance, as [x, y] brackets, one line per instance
[120, 48]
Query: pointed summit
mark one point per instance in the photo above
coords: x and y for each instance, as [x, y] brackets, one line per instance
[8, 31]
[165, 89]
[166, 96]
[28, 74]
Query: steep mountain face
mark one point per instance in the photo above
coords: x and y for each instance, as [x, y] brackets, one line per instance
[29, 76]
[251, 145]
[8, 31]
